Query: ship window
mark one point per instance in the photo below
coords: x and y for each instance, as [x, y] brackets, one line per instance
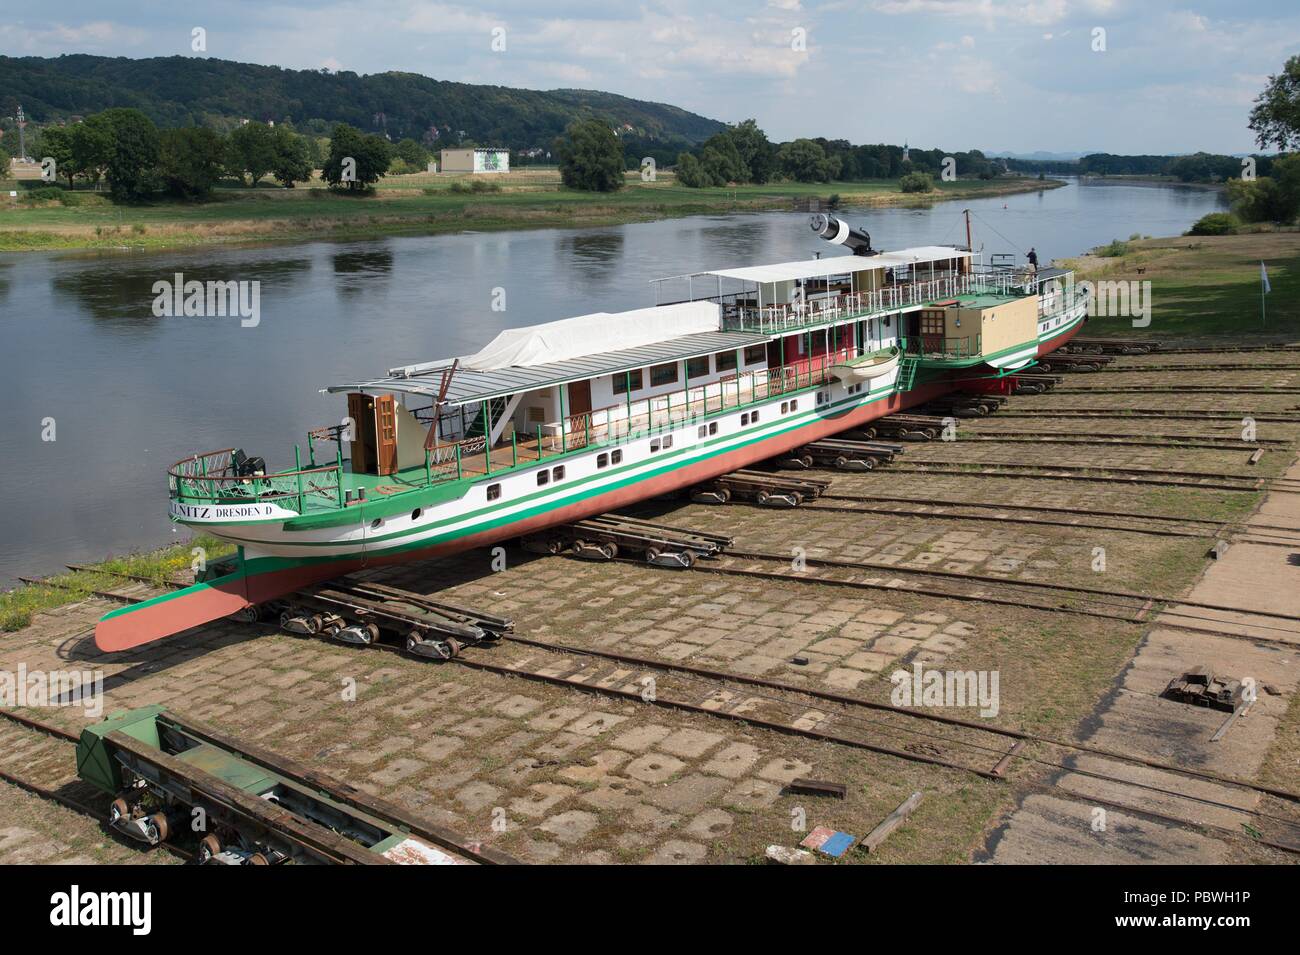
[888, 321]
[785, 407]
[755, 354]
[744, 419]
[558, 473]
[664, 374]
[932, 324]
[704, 430]
[621, 381]
[668, 441]
[753, 418]
[821, 397]
[415, 514]
[697, 367]
[493, 492]
[536, 414]
[654, 445]
[713, 427]
[616, 456]
[376, 522]
[724, 361]
[602, 460]
[794, 406]
[543, 477]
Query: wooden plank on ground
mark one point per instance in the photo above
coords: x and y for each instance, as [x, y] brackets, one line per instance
[872, 840]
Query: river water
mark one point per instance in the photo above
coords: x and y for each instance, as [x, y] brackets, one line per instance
[123, 393]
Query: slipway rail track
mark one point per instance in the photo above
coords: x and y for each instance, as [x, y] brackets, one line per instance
[967, 746]
[35, 750]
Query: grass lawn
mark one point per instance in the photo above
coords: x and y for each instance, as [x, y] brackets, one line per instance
[422, 203]
[1205, 287]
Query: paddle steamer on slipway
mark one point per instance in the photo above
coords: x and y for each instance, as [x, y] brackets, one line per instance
[554, 423]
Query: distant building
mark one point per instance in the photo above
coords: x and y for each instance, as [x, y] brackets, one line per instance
[476, 160]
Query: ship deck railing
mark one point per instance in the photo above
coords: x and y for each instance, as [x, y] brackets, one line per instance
[211, 478]
[860, 305]
[938, 348]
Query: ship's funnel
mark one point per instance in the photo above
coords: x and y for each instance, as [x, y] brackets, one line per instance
[858, 241]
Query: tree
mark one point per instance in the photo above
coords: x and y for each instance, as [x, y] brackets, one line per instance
[291, 158]
[356, 160]
[134, 153]
[251, 149]
[1276, 116]
[56, 144]
[1271, 198]
[190, 161]
[690, 173]
[412, 153]
[591, 157]
[804, 161]
[756, 152]
[92, 147]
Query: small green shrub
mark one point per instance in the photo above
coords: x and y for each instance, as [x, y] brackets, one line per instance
[1112, 251]
[916, 182]
[1214, 223]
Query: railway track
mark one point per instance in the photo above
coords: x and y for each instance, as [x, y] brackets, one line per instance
[1131, 414]
[1100, 474]
[966, 746]
[41, 748]
[1127, 522]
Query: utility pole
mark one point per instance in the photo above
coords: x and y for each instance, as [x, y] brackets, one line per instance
[22, 141]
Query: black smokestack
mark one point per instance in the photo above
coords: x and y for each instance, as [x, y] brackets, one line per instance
[858, 241]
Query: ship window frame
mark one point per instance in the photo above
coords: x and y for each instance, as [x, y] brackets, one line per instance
[543, 477]
[713, 427]
[696, 372]
[557, 473]
[744, 420]
[658, 374]
[785, 407]
[667, 441]
[620, 381]
[731, 364]
[602, 461]
[616, 456]
[494, 491]
[703, 431]
[753, 417]
[415, 514]
[760, 350]
[654, 445]
[794, 405]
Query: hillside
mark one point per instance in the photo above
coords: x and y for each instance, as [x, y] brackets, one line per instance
[180, 91]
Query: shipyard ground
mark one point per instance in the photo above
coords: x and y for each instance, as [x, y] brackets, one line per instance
[574, 773]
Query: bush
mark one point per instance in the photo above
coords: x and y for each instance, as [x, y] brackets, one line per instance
[43, 194]
[1112, 251]
[1215, 223]
[474, 185]
[916, 182]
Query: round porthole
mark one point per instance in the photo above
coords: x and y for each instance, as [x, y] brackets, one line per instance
[415, 514]
[376, 522]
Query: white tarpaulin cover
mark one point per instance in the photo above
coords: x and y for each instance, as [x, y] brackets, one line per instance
[593, 334]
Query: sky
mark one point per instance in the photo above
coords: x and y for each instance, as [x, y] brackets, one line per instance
[1121, 76]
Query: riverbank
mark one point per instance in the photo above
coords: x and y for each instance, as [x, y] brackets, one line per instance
[1204, 288]
[426, 204]
[159, 567]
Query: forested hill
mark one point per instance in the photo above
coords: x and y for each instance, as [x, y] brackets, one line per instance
[183, 91]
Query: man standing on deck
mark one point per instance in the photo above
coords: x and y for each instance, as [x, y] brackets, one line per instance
[1032, 256]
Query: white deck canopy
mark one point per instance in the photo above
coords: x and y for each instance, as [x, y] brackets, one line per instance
[836, 265]
[595, 334]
